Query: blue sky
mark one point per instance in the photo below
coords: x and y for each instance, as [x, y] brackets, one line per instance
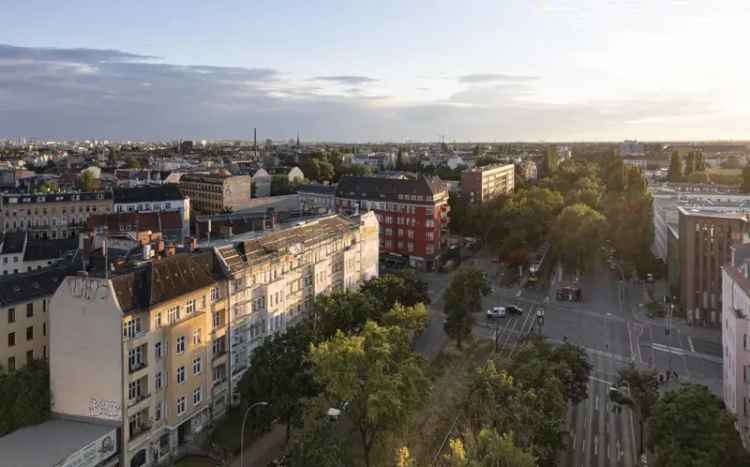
[376, 70]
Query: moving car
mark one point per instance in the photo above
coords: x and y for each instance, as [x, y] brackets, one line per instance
[496, 312]
[514, 310]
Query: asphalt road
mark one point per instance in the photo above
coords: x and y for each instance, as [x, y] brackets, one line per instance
[610, 326]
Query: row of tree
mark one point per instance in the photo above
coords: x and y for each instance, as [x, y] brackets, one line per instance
[25, 396]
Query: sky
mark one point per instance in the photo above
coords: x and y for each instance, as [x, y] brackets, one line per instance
[381, 70]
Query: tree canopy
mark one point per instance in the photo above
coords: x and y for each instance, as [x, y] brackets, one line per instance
[462, 298]
[25, 396]
[488, 449]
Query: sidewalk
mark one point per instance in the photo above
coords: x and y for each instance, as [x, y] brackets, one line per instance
[265, 449]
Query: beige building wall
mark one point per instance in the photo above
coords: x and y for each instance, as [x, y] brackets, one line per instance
[24, 325]
[85, 347]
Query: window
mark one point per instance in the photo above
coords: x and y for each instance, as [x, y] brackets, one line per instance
[197, 395]
[11, 339]
[29, 310]
[157, 411]
[11, 363]
[190, 307]
[215, 294]
[30, 333]
[44, 329]
[196, 365]
[218, 346]
[157, 351]
[131, 328]
[219, 373]
[11, 315]
[430, 236]
[136, 357]
[174, 314]
[747, 374]
[181, 375]
[180, 406]
[180, 345]
[29, 357]
[157, 320]
[430, 249]
[158, 381]
[217, 319]
[197, 337]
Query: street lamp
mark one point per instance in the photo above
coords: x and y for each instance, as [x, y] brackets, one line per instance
[540, 319]
[242, 440]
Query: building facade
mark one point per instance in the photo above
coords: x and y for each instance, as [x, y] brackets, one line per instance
[24, 313]
[412, 213]
[57, 215]
[735, 336]
[154, 359]
[216, 193]
[705, 240]
[273, 279]
[161, 198]
[480, 184]
[314, 196]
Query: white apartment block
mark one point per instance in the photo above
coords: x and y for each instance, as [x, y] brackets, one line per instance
[736, 339]
[273, 279]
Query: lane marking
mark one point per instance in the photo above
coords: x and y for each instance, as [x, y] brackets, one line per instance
[596, 445]
[518, 294]
[690, 343]
[596, 402]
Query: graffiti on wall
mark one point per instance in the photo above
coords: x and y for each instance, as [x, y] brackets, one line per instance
[88, 288]
[104, 409]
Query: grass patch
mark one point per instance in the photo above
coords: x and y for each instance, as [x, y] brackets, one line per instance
[196, 461]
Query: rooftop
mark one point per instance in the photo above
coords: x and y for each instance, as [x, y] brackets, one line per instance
[316, 188]
[13, 243]
[374, 188]
[18, 288]
[61, 438]
[147, 194]
[40, 250]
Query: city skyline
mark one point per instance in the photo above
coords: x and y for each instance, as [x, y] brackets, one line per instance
[383, 72]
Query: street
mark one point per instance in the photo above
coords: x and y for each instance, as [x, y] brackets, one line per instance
[614, 330]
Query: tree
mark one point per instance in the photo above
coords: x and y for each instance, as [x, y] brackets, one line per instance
[643, 393]
[700, 162]
[572, 367]
[550, 161]
[347, 311]
[49, 187]
[404, 459]
[400, 159]
[411, 319]
[732, 162]
[488, 449]
[25, 397]
[134, 163]
[691, 428]
[377, 373]
[318, 442]
[463, 297]
[88, 182]
[675, 167]
[745, 187]
[689, 164]
[577, 231]
[281, 375]
[615, 174]
[402, 287]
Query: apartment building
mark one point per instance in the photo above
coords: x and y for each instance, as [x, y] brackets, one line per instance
[274, 278]
[705, 241]
[479, 184]
[314, 196]
[412, 213]
[56, 215]
[216, 193]
[157, 198]
[144, 350]
[19, 252]
[24, 313]
[735, 336]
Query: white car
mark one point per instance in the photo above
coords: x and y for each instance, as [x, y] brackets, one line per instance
[496, 312]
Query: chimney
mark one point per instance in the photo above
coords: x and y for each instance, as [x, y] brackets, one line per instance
[170, 249]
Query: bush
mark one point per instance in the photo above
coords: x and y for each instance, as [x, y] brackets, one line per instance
[25, 396]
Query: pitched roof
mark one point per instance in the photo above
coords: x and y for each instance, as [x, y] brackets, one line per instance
[386, 189]
[13, 242]
[39, 249]
[164, 279]
[241, 255]
[18, 288]
[318, 189]
[146, 194]
[160, 221]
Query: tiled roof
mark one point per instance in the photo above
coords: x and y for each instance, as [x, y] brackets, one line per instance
[164, 279]
[244, 254]
[318, 189]
[28, 286]
[204, 178]
[160, 221]
[39, 249]
[13, 242]
[146, 194]
[375, 188]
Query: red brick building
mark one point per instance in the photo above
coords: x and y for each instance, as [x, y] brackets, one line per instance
[413, 214]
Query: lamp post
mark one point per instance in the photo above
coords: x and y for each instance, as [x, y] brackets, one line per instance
[540, 319]
[242, 440]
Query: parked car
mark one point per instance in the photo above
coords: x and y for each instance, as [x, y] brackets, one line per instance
[514, 310]
[496, 312]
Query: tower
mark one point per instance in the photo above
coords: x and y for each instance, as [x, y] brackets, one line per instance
[255, 139]
[298, 139]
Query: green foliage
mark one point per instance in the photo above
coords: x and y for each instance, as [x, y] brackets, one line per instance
[412, 319]
[25, 396]
[134, 163]
[49, 187]
[376, 372]
[550, 161]
[88, 182]
[280, 185]
[347, 311]
[281, 375]
[577, 231]
[318, 168]
[643, 389]
[689, 164]
[488, 449]
[318, 442]
[745, 187]
[731, 162]
[675, 167]
[462, 298]
[353, 170]
[402, 287]
[691, 428]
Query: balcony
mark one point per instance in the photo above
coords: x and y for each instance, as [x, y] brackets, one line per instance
[137, 366]
[139, 430]
[138, 399]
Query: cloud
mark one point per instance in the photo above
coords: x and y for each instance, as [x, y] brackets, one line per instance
[478, 78]
[347, 80]
[80, 55]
